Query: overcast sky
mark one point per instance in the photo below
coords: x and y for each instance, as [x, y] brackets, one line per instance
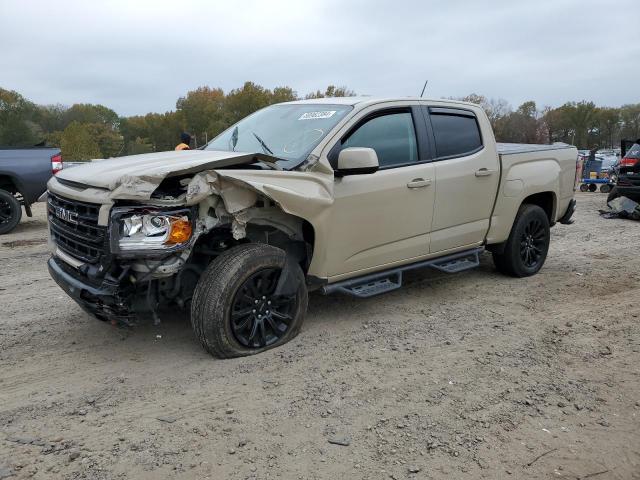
[139, 56]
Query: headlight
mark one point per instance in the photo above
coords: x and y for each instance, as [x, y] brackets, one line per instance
[148, 230]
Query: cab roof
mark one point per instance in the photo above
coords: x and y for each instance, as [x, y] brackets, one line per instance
[368, 100]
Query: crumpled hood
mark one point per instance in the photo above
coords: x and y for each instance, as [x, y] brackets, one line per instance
[151, 167]
[305, 194]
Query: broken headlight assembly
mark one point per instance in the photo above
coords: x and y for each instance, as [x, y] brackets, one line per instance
[140, 230]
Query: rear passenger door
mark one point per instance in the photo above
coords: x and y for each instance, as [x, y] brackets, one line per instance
[467, 175]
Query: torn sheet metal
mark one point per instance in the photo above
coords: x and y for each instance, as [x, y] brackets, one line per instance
[622, 207]
[235, 197]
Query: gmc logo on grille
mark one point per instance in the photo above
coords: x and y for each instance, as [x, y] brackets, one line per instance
[66, 215]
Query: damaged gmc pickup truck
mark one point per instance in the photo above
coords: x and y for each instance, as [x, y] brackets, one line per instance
[336, 194]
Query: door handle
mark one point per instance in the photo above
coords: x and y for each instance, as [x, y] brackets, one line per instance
[484, 172]
[419, 183]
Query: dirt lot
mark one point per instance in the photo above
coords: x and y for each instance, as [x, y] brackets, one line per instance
[472, 375]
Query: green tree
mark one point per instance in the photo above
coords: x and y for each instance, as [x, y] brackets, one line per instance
[51, 117]
[202, 112]
[582, 117]
[610, 124]
[90, 113]
[17, 127]
[241, 102]
[77, 143]
[283, 94]
[630, 116]
[521, 126]
[109, 140]
[331, 91]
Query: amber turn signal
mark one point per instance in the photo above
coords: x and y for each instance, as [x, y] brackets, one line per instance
[180, 231]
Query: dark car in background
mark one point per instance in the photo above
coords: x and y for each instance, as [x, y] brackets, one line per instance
[24, 173]
[628, 175]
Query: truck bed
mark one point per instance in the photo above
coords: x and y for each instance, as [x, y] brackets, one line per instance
[26, 170]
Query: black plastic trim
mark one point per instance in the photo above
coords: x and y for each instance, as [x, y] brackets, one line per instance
[432, 262]
[566, 218]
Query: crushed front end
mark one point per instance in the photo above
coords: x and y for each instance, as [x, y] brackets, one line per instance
[134, 264]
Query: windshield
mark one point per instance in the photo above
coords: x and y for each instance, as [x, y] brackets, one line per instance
[289, 132]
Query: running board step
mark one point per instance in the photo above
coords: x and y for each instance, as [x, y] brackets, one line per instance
[458, 264]
[388, 280]
[374, 286]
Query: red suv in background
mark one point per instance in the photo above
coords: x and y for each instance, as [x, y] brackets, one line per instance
[628, 184]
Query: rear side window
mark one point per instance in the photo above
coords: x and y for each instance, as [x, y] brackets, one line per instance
[392, 136]
[633, 152]
[455, 135]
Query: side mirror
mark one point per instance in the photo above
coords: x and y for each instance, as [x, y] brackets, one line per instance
[356, 161]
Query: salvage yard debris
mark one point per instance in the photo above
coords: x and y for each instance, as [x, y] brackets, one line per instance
[622, 207]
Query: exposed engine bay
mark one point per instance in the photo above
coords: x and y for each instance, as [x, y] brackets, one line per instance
[159, 247]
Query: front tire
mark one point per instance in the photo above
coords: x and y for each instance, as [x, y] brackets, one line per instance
[10, 212]
[526, 248]
[237, 307]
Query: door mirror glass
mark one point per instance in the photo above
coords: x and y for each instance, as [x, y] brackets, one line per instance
[356, 161]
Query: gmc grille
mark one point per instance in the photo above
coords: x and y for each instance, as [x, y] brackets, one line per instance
[74, 228]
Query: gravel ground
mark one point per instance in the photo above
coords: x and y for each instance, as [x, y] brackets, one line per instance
[472, 375]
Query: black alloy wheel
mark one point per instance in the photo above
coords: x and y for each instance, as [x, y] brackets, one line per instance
[10, 212]
[532, 243]
[259, 317]
[6, 212]
[525, 251]
[241, 306]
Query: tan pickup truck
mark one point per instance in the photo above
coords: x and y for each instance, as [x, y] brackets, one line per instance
[335, 194]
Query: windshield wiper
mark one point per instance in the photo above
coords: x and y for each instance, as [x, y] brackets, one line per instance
[234, 139]
[263, 144]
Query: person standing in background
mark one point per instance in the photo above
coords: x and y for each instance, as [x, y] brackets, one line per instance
[185, 141]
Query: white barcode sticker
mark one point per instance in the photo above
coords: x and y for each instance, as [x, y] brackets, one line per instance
[317, 115]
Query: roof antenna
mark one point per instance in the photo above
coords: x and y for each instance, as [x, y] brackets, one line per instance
[424, 88]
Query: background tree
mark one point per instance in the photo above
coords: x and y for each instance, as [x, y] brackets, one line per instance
[16, 120]
[207, 111]
[77, 143]
[630, 116]
[331, 91]
[202, 112]
[89, 113]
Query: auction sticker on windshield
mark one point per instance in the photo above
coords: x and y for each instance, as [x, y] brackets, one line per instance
[317, 115]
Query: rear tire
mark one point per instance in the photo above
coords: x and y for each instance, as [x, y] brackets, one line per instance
[605, 188]
[584, 187]
[236, 310]
[525, 250]
[10, 212]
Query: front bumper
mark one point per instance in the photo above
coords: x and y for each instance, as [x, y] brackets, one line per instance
[105, 301]
[630, 191]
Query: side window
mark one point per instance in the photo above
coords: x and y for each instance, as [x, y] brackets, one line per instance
[455, 135]
[392, 136]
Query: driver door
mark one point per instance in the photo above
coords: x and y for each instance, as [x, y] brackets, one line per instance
[383, 218]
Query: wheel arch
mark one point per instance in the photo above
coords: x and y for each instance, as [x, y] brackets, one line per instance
[545, 200]
[270, 226]
[9, 183]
